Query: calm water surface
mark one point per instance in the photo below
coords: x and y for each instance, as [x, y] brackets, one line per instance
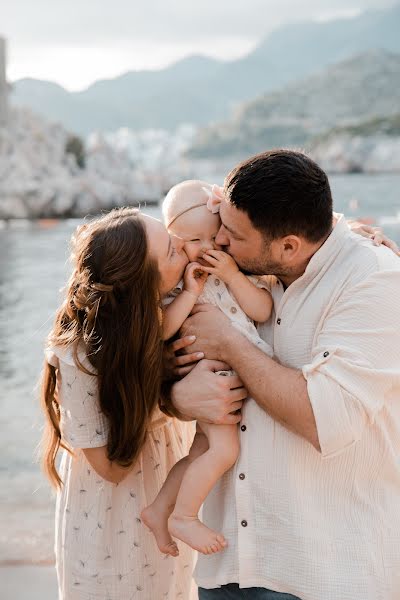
[33, 268]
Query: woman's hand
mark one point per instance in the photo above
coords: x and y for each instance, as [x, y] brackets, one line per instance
[107, 469]
[374, 233]
[180, 365]
[194, 278]
[222, 265]
[212, 329]
[205, 396]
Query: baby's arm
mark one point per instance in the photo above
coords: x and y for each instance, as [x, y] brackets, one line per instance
[180, 308]
[257, 303]
[175, 313]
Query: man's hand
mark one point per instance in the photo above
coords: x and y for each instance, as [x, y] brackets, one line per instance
[205, 396]
[211, 328]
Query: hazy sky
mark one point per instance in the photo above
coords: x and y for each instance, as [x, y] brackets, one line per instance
[75, 42]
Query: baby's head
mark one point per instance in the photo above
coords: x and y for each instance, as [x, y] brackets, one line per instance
[186, 215]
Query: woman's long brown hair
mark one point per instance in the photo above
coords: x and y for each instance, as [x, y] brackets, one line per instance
[112, 311]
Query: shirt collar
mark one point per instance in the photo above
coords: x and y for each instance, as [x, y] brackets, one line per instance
[327, 253]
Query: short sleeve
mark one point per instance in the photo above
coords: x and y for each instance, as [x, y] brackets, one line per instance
[82, 423]
[261, 282]
[172, 294]
[355, 368]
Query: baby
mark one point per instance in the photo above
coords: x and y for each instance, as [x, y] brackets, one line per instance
[191, 213]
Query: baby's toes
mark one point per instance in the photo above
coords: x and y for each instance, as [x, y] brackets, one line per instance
[221, 540]
[172, 549]
[175, 551]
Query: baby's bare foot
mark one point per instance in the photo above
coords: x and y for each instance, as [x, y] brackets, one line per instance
[196, 535]
[157, 522]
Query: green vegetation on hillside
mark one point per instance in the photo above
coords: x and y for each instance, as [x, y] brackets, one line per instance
[388, 126]
[361, 94]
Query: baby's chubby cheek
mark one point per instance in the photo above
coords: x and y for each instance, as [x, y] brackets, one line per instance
[193, 254]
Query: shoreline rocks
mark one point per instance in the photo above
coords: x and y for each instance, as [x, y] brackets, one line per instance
[39, 179]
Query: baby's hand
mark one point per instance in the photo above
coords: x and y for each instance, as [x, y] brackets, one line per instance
[221, 264]
[194, 278]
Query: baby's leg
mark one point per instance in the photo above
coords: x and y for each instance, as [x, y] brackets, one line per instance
[155, 516]
[199, 478]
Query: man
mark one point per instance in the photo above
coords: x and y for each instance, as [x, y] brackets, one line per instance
[311, 509]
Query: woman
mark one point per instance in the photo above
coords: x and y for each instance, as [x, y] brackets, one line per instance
[100, 391]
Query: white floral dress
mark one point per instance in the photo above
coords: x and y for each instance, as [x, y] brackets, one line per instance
[103, 550]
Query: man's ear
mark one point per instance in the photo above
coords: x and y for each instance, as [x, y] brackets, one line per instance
[291, 246]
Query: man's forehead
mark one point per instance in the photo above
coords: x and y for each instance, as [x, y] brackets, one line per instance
[234, 220]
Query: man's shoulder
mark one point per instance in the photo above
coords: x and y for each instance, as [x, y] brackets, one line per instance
[367, 264]
[361, 254]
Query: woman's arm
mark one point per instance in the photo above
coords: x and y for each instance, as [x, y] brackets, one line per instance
[107, 469]
[376, 234]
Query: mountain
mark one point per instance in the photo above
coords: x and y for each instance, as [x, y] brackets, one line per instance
[138, 99]
[371, 146]
[201, 90]
[359, 89]
[378, 126]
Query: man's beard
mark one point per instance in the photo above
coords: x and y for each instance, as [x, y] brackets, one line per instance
[263, 265]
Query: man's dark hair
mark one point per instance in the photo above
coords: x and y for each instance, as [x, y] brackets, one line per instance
[283, 192]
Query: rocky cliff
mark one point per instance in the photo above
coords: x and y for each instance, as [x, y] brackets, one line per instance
[39, 177]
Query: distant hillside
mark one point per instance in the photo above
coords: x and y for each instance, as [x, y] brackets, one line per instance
[360, 89]
[371, 146]
[202, 90]
[383, 126]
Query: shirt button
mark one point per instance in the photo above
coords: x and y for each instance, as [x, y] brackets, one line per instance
[217, 282]
[233, 309]
[326, 354]
[278, 321]
[244, 523]
[242, 476]
[243, 427]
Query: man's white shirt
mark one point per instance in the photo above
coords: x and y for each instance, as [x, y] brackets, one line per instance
[322, 525]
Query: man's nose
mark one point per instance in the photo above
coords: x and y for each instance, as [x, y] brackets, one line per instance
[221, 238]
